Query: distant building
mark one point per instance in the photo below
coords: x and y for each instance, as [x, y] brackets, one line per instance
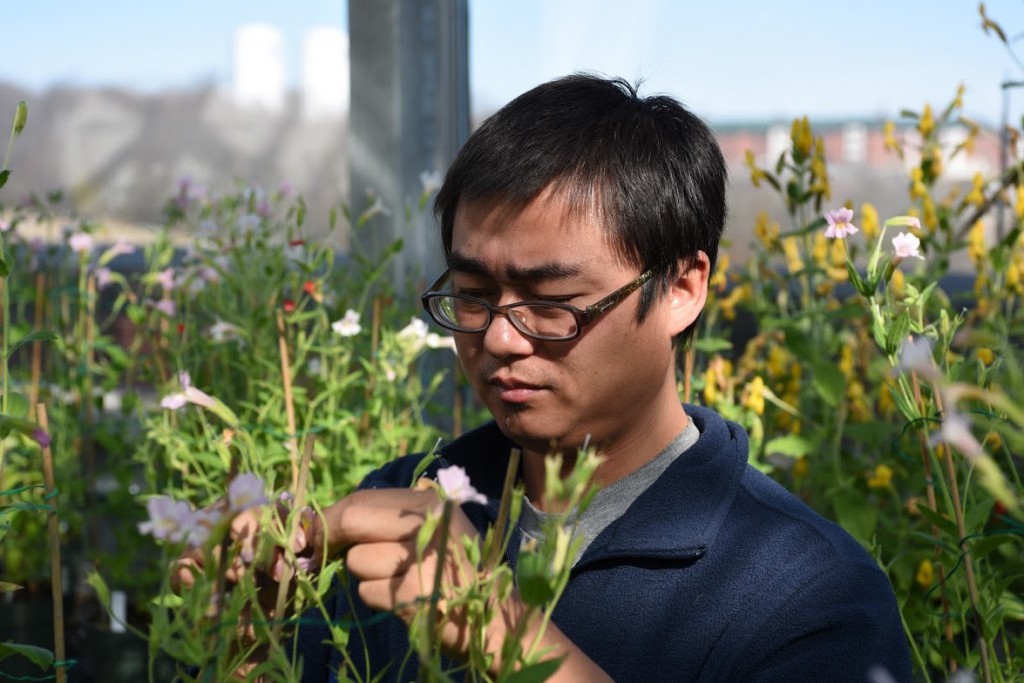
[259, 71]
[325, 74]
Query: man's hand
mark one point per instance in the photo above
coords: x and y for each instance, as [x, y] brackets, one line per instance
[379, 528]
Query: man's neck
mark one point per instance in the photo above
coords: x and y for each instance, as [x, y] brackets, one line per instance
[620, 456]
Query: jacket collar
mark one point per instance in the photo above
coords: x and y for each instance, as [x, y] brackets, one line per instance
[678, 517]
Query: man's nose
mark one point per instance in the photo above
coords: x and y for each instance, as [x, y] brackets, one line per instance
[503, 339]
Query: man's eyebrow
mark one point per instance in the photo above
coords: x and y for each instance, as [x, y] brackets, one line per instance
[542, 272]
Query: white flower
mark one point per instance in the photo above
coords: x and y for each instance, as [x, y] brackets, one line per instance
[436, 341]
[80, 242]
[916, 356]
[246, 491]
[906, 245]
[456, 486]
[348, 326]
[248, 223]
[376, 207]
[956, 431]
[414, 335]
[431, 181]
[839, 223]
[221, 331]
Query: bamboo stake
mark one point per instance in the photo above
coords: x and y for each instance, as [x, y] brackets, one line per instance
[37, 347]
[289, 401]
[53, 533]
[972, 585]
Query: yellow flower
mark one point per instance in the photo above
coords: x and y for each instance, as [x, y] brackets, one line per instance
[819, 250]
[886, 402]
[756, 174]
[778, 361]
[977, 194]
[800, 468]
[846, 361]
[819, 172]
[869, 221]
[993, 442]
[898, 284]
[930, 218]
[753, 396]
[794, 262]
[985, 355]
[1018, 204]
[881, 478]
[925, 575]
[926, 124]
[976, 249]
[710, 389]
[800, 132]
[718, 280]
[1013, 279]
[918, 190]
[728, 304]
[767, 232]
[958, 102]
[889, 133]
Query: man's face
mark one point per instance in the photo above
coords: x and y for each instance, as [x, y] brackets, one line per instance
[613, 382]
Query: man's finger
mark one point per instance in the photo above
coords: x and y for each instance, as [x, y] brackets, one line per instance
[370, 561]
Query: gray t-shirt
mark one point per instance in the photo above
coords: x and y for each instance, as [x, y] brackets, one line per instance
[611, 502]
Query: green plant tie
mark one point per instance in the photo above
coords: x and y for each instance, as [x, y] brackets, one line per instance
[65, 663]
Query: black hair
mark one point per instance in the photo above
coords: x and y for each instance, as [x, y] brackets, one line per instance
[651, 169]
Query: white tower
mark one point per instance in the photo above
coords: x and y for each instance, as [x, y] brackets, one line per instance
[259, 67]
[325, 73]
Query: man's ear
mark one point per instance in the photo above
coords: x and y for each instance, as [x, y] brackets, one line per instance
[689, 292]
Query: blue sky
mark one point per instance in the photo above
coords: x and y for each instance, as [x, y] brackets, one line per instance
[728, 59]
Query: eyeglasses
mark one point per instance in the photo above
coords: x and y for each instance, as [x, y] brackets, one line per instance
[543, 320]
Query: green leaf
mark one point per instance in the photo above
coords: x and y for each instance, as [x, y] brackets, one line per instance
[8, 587]
[536, 673]
[4, 175]
[38, 335]
[856, 280]
[17, 405]
[829, 382]
[943, 523]
[791, 445]
[855, 515]
[712, 344]
[40, 657]
[533, 576]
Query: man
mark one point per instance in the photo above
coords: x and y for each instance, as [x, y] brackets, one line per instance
[580, 224]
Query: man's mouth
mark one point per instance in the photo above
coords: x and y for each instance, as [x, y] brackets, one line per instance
[512, 390]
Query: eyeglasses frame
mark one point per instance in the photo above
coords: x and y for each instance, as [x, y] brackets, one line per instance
[584, 316]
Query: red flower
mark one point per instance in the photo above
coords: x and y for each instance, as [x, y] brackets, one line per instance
[309, 288]
[181, 328]
[288, 305]
[296, 243]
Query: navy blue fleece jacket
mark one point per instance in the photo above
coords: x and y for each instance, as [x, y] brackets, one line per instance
[715, 573]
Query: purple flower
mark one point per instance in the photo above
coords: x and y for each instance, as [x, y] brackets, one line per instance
[456, 486]
[169, 519]
[42, 438]
[839, 223]
[166, 306]
[246, 491]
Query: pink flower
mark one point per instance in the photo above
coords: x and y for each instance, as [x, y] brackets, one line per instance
[119, 248]
[246, 491]
[167, 307]
[104, 277]
[41, 437]
[456, 486]
[906, 245]
[188, 394]
[165, 278]
[80, 242]
[839, 223]
[916, 356]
